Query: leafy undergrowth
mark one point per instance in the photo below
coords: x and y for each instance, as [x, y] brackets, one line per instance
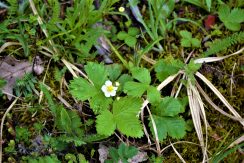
[121, 81]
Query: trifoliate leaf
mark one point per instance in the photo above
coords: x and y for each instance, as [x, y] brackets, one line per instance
[141, 74]
[135, 89]
[130, 41]
[185, 42]
[153, 95]
[168, 106]
[114, 71]
[195, 42]
[96, 73]
[133, 31]
[105, 123]
[166, 67]
[168, 126]
[232, 25]
[122, 35]
[125, 113]
[185, 34]
[81, 89]
[99, 102]
[124, 79]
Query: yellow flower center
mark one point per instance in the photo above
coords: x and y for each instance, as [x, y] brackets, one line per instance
[110, 88]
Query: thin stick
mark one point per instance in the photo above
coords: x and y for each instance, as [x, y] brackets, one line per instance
[1, 131]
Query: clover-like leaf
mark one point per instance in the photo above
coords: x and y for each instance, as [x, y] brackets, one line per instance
[105, 123]
[166, 67]
[96, 73]
[81, 89]
[174, 127]
[135, 89]
[141, 74]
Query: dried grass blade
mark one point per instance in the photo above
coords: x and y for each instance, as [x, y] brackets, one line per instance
[5, 45]
[195, 113]
[220, 96]
[214, 59]
[177, 153]
[202, 111]
[207, 98]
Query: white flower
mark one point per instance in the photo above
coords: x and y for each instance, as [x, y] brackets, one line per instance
[108, 89]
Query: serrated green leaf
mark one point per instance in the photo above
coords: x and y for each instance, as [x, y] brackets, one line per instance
[185, 34]
[105, 123]
[135, 89]
[236, 15]
[65, 120]
[133, 31]
[81, 89]
[195, 42]
[99, 102]
[122, 35]
[125, 113]
[114, 71]
[224, 11]
[153, 95]
[171, 126]
[185, 43]
[166, 67]
[168, 106]
[123, 79]
[96, 73]
[130, 41]
[141, 74]
[232, 26]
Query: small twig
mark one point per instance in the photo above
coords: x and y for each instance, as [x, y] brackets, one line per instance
[231, 79]
[1, 130]
[155, 131]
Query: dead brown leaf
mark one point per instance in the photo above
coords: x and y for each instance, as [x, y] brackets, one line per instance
[12, 69]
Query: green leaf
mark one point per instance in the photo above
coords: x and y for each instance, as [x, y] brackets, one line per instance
[96, 73]
[141, 74]
[153, 95]
[99, 102]
[224, 11]
[133, 31]
[185, 34]
[236, 15]
[185, 42]
[123, 79]
[82, 89]
[166, 67]
[114, 71]
[125, 113]
[168, 106]
[135, 89]
[171, 126]
[105, 123]
[122, 35]
[65, 121]
[195, 42]
[130, 41]
[232, 26]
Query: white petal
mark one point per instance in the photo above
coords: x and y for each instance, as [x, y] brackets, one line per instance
[104, 88]
[108, 83]
[107, 94]
[113, 93]
[115, 88]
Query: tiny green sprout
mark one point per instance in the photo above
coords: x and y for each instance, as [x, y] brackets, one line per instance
[188, 41]
[129, 38]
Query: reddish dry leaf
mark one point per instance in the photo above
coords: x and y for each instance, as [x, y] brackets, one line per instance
[209, 21]
[12, 69]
